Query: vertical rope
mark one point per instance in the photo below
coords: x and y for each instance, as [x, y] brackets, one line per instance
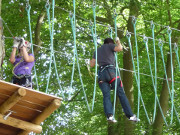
[160, 44]
[146, 44]
[50, 63]
[169, 31]
[177, 55]
[73, 25]
[155, 68]
[51, 30]
[54, 60]
[28, 8]
[95, 43]
[115, 91]
[74, 56]
[128, 35]
[137, 55]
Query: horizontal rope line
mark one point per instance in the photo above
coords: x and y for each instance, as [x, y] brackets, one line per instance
[100, 23]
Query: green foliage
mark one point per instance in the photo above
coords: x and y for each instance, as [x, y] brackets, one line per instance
[73, 117]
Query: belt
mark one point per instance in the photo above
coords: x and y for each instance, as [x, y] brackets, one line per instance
[19, 76]
[101, 68]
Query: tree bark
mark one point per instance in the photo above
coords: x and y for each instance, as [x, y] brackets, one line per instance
[38, 31]
[164, 97]
[2, 51]
[127, 64]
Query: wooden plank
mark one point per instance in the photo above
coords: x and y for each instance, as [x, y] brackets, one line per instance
[25, 104]
[35, 106]
[35, 99]
[11, 101]
[30, 92]
[47, 111]
[31, 105]
[27, 126]
[23, 112]
[8, 130]
[6, 92]
[3, 98]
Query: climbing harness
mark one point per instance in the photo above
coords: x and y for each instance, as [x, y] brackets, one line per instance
[28, 83]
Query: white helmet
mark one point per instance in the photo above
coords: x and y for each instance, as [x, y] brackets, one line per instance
[25, 43]
[28, 45]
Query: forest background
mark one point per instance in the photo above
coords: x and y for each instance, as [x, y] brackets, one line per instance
[74, 117]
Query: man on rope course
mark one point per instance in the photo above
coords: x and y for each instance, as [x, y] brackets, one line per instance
[23, 62]
[107, 77]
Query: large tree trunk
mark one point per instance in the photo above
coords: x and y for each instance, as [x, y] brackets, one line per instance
[128, 76]
[2, 51]
[164, 97]
[158, 124]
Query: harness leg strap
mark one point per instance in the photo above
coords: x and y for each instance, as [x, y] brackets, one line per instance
[115, 79]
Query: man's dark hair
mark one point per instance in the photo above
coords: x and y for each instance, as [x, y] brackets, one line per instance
[108, 41]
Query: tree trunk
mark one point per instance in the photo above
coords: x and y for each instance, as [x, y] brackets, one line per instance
[2, 51]
[128, 76]
[164, 97]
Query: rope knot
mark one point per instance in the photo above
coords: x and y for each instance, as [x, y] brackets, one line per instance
[128, 34]
[160, 44]
[169, 31]
[134, 20]
[175, 46]
[152, 25]
[145, 39]
[114, 14]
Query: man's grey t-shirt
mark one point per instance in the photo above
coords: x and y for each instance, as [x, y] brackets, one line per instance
[105, 55]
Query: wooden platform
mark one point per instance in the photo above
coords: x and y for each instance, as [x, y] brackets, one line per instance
[22, 110]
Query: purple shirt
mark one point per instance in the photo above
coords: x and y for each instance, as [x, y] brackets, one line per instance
[24, 68]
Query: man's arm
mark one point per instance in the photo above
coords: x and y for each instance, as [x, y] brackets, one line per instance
[92, 62]
[119, 47]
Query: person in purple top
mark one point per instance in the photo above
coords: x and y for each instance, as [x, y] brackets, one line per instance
[23, 62]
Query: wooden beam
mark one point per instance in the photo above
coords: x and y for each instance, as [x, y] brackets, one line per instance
[46, 112]
[21, 124]
[11, 101]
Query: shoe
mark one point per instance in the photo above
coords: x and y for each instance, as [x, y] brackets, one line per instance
[111, 119]
[134, 118]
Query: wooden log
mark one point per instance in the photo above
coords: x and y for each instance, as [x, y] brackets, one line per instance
[11, 101]
[21, 124]
[46, 112]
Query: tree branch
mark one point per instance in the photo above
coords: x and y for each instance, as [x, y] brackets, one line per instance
[38, 30]
[169, 13]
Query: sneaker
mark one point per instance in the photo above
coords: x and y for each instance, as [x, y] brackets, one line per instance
[134, 118]
[111, 119]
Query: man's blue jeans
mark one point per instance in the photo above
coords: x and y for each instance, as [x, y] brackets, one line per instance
[104, 78]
